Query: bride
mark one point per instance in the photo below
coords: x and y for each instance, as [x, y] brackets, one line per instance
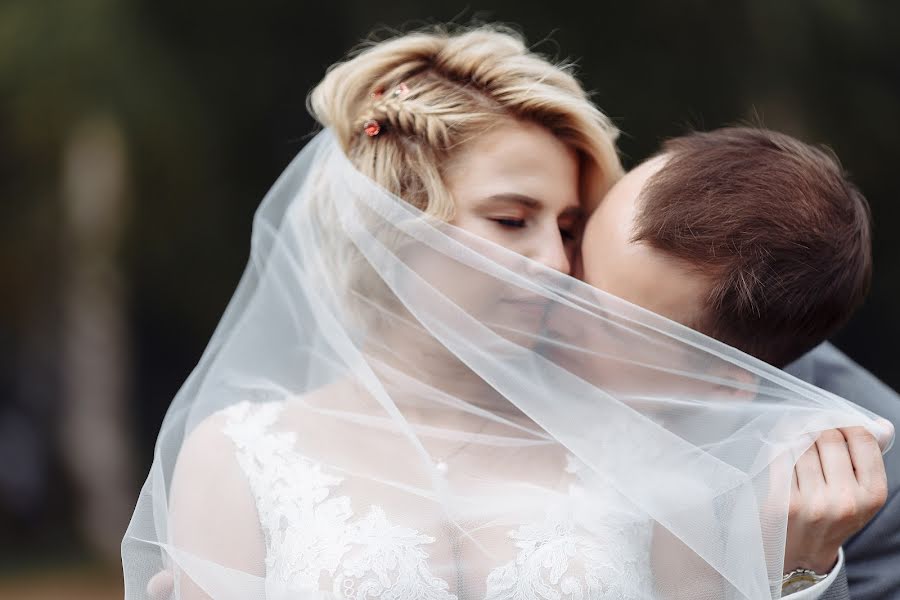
[409, 397]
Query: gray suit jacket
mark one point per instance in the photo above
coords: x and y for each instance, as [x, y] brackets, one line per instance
[872, 556]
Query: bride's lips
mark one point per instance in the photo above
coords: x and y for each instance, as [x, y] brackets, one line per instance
[527, 300]
[531, 307]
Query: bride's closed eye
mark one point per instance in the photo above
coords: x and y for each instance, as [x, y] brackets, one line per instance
[568, 234]
[509, 222]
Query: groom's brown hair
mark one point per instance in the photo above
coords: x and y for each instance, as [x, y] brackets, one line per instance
[782, 233]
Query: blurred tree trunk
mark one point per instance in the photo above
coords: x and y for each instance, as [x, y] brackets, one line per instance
[96, 365]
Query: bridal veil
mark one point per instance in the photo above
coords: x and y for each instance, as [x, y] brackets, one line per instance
[413, 411]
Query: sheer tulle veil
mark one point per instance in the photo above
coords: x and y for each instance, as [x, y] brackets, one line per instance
[474, 397]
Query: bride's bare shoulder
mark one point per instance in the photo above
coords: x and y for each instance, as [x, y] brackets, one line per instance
[207, 459]
[211, 443]
[209, 489]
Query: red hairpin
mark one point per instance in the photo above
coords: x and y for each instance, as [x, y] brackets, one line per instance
[372, 127]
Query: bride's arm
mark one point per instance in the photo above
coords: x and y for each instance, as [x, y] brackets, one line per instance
[212, 516]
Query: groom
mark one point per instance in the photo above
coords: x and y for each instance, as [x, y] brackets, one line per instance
[759, 240]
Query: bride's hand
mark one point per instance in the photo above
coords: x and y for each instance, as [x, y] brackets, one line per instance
[839, 484]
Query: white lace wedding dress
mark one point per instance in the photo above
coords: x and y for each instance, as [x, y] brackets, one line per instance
[319, 538]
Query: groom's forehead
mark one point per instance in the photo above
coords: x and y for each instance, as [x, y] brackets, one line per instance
[629, 188]
[648, 168]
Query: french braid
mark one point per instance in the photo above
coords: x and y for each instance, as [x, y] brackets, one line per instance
[456, 85]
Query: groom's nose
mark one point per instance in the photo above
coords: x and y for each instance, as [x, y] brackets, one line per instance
[577, 266]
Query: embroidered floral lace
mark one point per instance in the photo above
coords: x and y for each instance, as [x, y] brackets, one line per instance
[316, 539]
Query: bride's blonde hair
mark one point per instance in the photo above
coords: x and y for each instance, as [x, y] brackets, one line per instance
[424, 94]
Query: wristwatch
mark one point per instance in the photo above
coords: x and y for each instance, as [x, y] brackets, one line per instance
[799, 579]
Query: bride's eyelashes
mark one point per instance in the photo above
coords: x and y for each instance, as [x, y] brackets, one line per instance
[568, 234]
[509, 222]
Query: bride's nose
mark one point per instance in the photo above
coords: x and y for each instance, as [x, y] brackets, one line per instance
[551, 252]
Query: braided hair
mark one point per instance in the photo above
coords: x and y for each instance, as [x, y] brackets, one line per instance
[402, 107]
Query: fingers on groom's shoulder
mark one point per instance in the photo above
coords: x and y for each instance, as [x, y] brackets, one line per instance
[808, 470]
[868, 465]
[877, 440]
[886, 433]
[859, 435]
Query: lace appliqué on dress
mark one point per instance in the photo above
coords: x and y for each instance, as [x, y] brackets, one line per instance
[314, 541]
[388, 562]
[310, 532]
[558, 560]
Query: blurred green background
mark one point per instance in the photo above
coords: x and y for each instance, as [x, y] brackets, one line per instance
[138, 136]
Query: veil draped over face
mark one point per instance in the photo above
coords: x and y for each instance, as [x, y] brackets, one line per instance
[394, 408]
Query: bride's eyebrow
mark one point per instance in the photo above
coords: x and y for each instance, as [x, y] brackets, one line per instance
[514, 198]
[572, 212]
